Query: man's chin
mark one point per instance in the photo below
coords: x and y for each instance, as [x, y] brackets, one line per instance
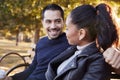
[53, 37]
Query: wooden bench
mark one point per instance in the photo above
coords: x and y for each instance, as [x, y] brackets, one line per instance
[24, 63]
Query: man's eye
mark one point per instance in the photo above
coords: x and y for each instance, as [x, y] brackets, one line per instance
[58, 21]
[48, 21]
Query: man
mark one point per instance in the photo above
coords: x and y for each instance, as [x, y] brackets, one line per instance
[48, 47]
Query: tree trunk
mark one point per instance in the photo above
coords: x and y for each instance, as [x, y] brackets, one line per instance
[17, 39]
[36, 36]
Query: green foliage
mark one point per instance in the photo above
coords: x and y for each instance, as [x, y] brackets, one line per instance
[26, 14]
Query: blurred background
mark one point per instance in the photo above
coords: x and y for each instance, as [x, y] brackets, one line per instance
[21, 27]
[20, 20]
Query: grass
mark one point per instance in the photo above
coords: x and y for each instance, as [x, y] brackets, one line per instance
[7, 46]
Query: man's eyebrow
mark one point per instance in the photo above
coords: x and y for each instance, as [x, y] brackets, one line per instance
[47, 19]
[54, 19]
[58, 19]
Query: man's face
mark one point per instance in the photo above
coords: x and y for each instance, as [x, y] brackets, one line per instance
[53, 23]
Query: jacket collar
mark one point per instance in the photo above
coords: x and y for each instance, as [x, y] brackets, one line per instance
[58, 60]
[64, 55]
[89, 50]
[71, 50]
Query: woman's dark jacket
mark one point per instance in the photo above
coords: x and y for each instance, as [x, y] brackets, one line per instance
[89, 65]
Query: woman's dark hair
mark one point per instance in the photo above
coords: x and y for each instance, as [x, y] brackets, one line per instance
[98, 21]
[107, 32]
[53, 7]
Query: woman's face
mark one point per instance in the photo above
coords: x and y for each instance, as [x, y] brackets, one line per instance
[72, 32]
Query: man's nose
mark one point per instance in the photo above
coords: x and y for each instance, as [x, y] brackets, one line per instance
[53, 25]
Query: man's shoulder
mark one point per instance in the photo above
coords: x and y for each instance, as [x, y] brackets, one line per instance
[43, 38]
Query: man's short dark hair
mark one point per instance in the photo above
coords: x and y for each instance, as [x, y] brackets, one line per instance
[53, 7]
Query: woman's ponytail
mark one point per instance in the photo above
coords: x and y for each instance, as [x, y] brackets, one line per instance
[107, 32]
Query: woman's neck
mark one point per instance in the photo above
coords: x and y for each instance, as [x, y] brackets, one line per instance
[79, 47]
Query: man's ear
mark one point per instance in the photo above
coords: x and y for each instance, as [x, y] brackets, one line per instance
[82, 34]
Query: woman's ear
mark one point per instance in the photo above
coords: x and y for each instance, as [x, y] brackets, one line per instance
[82, 34]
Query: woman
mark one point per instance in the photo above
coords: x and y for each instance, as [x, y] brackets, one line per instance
[90, 30]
